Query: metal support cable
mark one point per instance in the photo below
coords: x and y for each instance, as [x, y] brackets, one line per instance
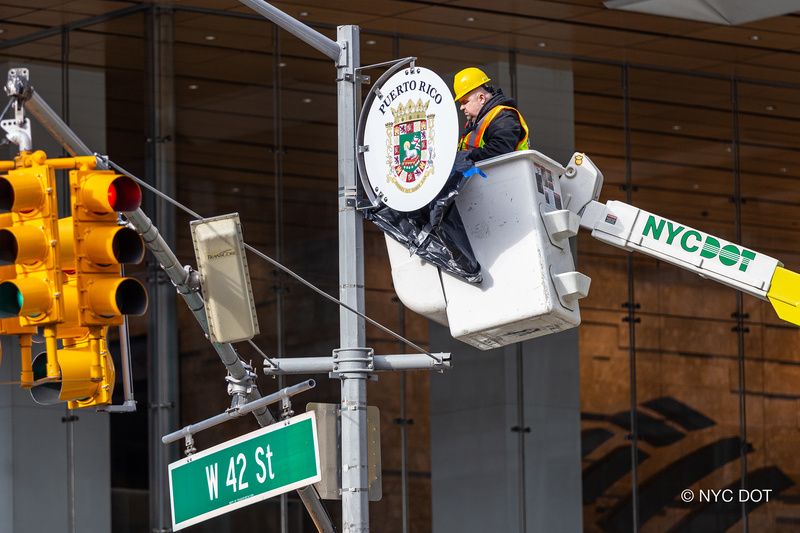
[261, 353]
[278, 265]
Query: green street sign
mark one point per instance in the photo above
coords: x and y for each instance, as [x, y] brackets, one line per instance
[248, 469]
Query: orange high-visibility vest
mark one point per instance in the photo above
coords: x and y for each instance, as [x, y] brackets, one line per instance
[474, 139]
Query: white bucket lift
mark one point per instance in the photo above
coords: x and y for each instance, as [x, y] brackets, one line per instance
[519, 228]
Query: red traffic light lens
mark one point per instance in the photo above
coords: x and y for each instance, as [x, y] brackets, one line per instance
[112, 195]
[124, 194]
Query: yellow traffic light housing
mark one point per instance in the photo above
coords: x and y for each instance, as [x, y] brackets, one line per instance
[28, 193]
[64, 276]
[11, 325]
[87, 374]
[102, 245]
[28, 241]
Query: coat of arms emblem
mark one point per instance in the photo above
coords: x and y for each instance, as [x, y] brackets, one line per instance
[409, 143]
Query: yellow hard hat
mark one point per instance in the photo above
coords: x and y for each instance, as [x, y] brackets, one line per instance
[468, 79]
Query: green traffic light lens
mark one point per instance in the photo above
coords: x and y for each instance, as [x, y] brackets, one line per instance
[11, 300]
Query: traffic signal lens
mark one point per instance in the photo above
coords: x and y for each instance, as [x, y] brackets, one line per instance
[131, 298]
[103, 192]
[23, 190]
[112, 195]
[112, 297]
[124, 194]
[26, 245]
[6, 195]
[127, 246]
[46, 393]
[10, 300]
[8, 248]
[27, 297]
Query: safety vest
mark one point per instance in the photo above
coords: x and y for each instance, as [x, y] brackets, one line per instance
[474, 139]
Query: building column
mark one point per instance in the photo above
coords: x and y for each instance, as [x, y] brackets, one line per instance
[163, 378]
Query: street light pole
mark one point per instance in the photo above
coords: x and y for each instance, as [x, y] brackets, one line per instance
[354, 360]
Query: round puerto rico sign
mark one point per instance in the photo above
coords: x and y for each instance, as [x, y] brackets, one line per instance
[411, 138]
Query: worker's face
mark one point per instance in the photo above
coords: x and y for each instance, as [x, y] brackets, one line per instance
[472, 103]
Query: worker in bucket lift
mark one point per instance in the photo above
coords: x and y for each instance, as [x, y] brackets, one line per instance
[494, 124]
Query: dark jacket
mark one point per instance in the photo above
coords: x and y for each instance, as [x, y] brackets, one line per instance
[502, 135]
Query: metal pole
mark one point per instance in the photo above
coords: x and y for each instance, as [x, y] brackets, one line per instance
[523, 519]
[403, 421]
[70, 419]
[380, 363]
[50, 120]
[208, 423]
[64, 209]
[355, 487]
[309, 35]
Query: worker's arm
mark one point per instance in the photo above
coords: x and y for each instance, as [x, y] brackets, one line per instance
[501, 137]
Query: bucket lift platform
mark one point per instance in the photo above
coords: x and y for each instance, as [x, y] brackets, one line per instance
[519, 228]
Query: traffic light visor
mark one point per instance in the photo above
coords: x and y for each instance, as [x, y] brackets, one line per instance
[127, 246]
[22, 244]
[29, 297]
[21, 192]
[10, 300]
[76, 381]
[104, 192]
[109, 245]
[46, 393]
[124, 194]
[120, 296]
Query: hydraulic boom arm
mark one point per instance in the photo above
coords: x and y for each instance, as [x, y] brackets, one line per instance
[633, 229]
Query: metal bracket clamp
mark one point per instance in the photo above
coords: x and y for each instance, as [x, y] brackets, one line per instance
[101, 162]
[189, 449]
[286, 408]
[358, 361]
[18, 129]
[192, 279]
[18, 133]
[241, 388]
[18, 84]
[344, 55]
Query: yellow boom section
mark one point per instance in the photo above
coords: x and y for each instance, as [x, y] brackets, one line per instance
[784, 294]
